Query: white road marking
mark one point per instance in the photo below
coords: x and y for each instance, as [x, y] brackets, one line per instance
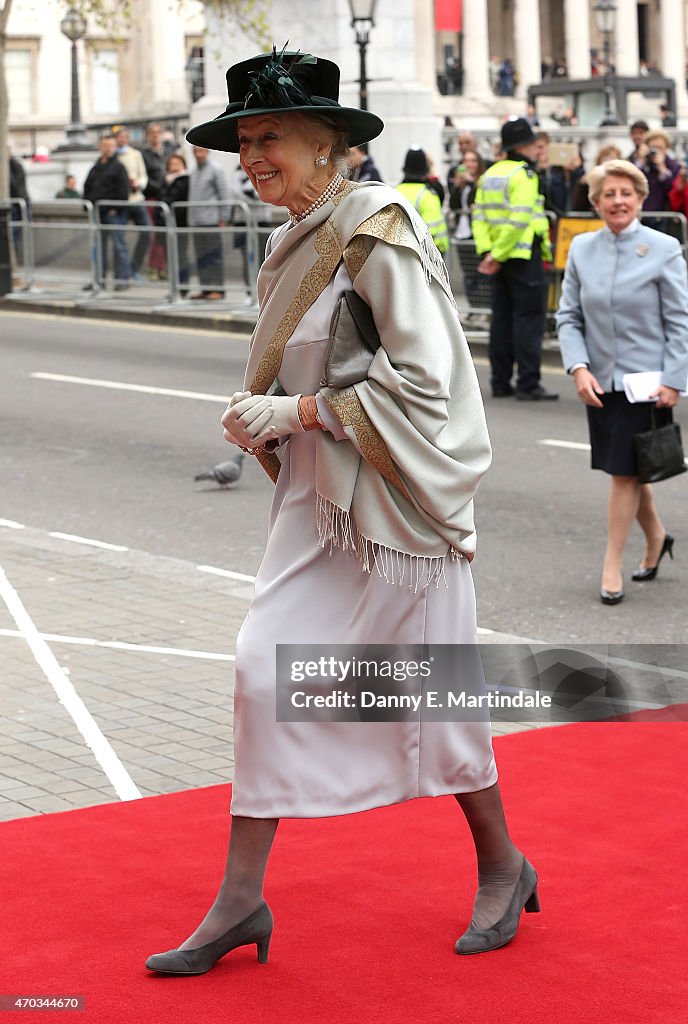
[577, 445]
[226, 572]
[106, 757]
[115, 385]
[11, 525]
[89, 541]
[119, 645]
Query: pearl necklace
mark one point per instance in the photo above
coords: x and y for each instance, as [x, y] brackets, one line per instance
[330, 191]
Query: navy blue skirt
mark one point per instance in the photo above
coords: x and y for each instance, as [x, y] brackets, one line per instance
[613, 427]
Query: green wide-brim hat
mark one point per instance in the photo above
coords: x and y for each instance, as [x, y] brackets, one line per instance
[273, 83]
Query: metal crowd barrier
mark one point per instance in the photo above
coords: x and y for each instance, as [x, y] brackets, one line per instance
[222, 255]
[141, 253]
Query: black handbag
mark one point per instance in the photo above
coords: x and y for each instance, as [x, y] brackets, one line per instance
[354, 340]
[659, 453]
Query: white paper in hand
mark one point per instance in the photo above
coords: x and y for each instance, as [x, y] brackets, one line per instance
[639, 386]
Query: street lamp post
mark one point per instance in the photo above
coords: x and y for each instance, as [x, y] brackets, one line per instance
[362, 20]
[605, 16]
[73, 25]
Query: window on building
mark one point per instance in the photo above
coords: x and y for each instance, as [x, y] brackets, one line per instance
[105, 97]
[19, 74]
[195, 68]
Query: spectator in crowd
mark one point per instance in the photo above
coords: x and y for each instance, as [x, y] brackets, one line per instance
[208, 185]
[169, 143]
[426, 201]
[580, 200]
[461, 201]
[659, 169]
[531, 116]
[678, 196]
[454, 75]
[567, 119]
[108, 180]
[560, 69]
[133, 161]
[364, 168]
[507, 79]
[639, 130]
[69, 190]
[546, 66]
[466, 142]
[155, 159]
[557, 181]
[511, 233]
[175, 189]
[155, 162]
[18, 190]
[667, 117]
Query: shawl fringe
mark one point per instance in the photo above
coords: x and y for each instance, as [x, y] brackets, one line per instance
[334, 525]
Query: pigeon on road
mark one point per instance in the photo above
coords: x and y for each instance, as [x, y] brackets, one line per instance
[225, 472]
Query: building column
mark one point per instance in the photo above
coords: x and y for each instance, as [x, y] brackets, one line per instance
[673, 36]
[627, 54]
[476, 50]
[527, 56]
[577, 36]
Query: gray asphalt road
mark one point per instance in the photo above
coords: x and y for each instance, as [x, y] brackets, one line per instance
[118, 466]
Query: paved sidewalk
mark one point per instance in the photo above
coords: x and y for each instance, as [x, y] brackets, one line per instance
[166, 714]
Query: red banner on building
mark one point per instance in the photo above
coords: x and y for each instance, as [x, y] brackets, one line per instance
[448, 15]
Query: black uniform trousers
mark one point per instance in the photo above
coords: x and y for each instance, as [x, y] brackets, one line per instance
[518, 322]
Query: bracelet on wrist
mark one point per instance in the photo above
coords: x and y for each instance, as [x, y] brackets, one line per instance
[307, 410]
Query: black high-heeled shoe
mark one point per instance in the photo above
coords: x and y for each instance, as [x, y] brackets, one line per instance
[525, 897]
[649, 574]
[257, 927]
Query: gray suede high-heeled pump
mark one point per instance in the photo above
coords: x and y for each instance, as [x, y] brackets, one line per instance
[257, 927]
[525, 896]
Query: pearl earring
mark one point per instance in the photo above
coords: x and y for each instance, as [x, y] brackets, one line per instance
[321, 161]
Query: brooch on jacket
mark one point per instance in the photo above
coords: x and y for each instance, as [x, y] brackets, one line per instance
[643, 249]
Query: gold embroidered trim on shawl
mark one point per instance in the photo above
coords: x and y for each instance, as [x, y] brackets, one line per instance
[390, 224]
[356, 253]
[350, 413]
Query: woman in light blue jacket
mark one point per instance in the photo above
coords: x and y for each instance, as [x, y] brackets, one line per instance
[624, 309]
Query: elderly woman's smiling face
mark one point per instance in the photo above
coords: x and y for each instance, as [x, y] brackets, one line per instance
[619, 203]
[278, 154]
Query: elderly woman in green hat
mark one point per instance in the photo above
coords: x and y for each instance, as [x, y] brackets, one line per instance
[371, 530]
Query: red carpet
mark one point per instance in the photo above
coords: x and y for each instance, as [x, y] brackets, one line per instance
[368, 906]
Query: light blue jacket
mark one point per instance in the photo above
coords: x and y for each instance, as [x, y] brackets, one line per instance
[624, 306]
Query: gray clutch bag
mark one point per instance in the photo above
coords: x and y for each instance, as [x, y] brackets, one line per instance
[354, 340]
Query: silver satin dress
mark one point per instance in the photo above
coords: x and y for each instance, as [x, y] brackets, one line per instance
[305, 594]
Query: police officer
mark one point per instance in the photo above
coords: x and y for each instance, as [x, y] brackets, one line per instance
[511, 233]
[419, 193]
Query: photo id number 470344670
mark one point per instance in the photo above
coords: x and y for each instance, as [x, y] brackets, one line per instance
[42, 1002]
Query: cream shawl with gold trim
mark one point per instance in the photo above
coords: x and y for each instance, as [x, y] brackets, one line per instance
[400, 491]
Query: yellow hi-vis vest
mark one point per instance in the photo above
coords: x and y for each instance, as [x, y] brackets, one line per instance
[428, 205]
[509, 213]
